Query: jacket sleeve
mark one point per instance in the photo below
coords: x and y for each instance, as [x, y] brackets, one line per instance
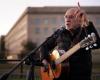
[91, 28]
[50, 44]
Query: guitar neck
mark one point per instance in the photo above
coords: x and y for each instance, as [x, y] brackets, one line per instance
[68, 53]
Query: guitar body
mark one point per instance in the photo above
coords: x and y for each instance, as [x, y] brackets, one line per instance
[50, 74]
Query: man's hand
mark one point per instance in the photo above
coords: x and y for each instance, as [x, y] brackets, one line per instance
[46, 65]
[81, 17]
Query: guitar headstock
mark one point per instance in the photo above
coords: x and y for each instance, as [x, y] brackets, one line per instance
[91, 39]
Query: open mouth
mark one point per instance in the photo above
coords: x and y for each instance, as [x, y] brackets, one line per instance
[68, 23]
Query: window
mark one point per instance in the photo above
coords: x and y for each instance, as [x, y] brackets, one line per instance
[36, 29]
[61, 21]
[46, 30]
[97, 19]
[36, 21]
[45, 20]
[53, 20]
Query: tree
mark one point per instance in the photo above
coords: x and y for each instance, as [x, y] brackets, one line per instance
[27, 47]
[2, 48]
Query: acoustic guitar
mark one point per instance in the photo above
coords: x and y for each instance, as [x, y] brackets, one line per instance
[51, 73]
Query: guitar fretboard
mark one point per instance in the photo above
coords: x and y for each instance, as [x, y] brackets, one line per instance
[68, 53]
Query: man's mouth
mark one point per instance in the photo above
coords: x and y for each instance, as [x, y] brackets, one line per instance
[68, 22]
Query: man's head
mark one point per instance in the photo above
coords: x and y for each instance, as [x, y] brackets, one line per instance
[71, 20]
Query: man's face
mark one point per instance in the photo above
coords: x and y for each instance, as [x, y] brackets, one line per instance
[70, 19]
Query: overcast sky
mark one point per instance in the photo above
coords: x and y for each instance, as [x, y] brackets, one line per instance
[11, 10]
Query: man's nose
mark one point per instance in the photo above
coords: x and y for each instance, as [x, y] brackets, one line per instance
[67, 20]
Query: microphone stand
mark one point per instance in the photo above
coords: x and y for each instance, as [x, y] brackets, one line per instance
[30, 75]
[6, 75]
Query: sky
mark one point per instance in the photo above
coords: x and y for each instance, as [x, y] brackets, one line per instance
[11, 10]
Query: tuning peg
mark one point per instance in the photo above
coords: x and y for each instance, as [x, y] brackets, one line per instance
[87, 48]
[93, 34]
[94, 44]
[90, 46]
[89, 35]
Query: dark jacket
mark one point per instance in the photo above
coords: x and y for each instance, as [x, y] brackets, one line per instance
[80, 61]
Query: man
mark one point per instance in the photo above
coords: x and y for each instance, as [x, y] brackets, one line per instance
[77, 27]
